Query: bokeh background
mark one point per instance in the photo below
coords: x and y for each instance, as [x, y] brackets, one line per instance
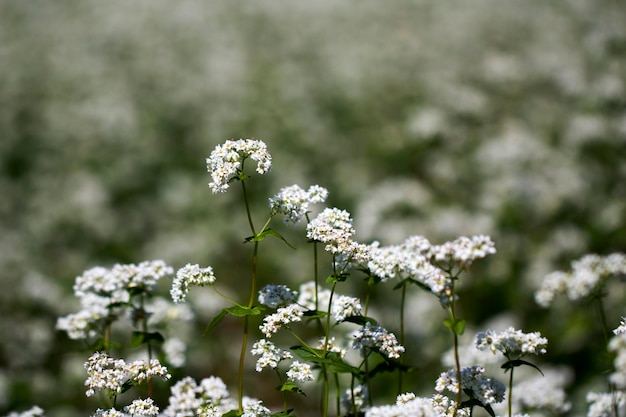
[437, 118]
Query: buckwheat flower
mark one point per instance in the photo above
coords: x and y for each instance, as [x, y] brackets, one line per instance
[183, 399]
[411, 406]
[187, 276]
[255, 408]
[300, 372]
[284, 315]
[587, 276]
[142, 407]
[617, 344]
[105, 372]
[274, 296]
[484, 389]
[35, 411]
[405, 398]
[602, 404]
[81, 325]
[446, 407]
[621, 329]
[331, 346]
[112, 412]
[226, 161]
[354, 398]
[333, 227]
[213, 388]
[141, 371]
[543, 392]
[512, 342]
[345, 306]
[293, 202]
[270, 354]
[463, 250]
[376, 338]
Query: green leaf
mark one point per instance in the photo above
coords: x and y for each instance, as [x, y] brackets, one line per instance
[337, 278]
[291, 387]
[457, 326]
[518, 362]
[265, 233]
[139, 338]
[332, 360]
[241, 311]
[216, 320]
[360, 320]
[315, 314]
[284, 414]
[412, 281]
[232, 413]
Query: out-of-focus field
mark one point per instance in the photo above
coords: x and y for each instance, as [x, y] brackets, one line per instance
[436, 118]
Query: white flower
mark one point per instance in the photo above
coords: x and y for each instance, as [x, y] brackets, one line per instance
[255, 408]
[372, 337]
[112, 412]
[486, 390]
[174, 350]
[142, 407]
[352, 399]
[307, 296]
[407, 405]
[333, 227]
[300, 372]
[512, 342]
[284, 315]
[274, 296]
[270, 354]
[603, 404]
[345, 306]
[293, 202]
[33, 412]
[190, 275]
[213, 388]
[621, 329]
[226, 161]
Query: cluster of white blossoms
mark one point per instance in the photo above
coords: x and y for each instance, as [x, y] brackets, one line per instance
[105, 372]
[284, 315]
[603, 404]
[226, 161]
[512, 342]
[307, 293]
[274, 296]
[345, 306]
[484, 389]
[111, 412]
[587, 276]
[463, 250]
[543, 392]
[355, 398]
[407, 405]
[190, 275]
[446, 407]
[375, 338]
[98, 288]
[617, 344]
[293, 202]
[334, 228]
[208, 398]
[300, 372]
[270, 354]
[35, 411]
[142, 407]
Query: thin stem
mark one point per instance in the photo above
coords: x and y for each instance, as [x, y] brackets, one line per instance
[605, 334]
[457, 361]
[144, 328]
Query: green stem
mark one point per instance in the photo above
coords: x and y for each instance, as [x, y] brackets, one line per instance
[457, 361]
[605, 334]
[144, 328]
[511, 393]
[402, 338]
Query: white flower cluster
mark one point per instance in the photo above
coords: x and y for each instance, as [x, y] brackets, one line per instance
[274, 296]
[99, 287]
[284, 315]
[190, 275]
[463, 250]
[293, 202]
[333, 227]
[35, 411]
[512, 342]
[603, 404]
[226, 161]
[484, 389]
[354, 398]
[105, 372]
[446, 407]
[270, 354]
[142, 407]
[617, 344]
[112, 412]
[407, 405]
[346, 306]
[543, 392]
[308, 293]
[372, 337]
[300, 372]
[209, 398]
[587, 276]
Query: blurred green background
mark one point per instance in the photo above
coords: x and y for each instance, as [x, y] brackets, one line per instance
[437, 118]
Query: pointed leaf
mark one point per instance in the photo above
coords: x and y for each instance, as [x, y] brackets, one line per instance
[457, 326]
[241, 311]
[291, 387]
[518, 362]
[139, 338]
[216, 320]
[360, 320]
[232, 413]
[315, 314]
[265, 233]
